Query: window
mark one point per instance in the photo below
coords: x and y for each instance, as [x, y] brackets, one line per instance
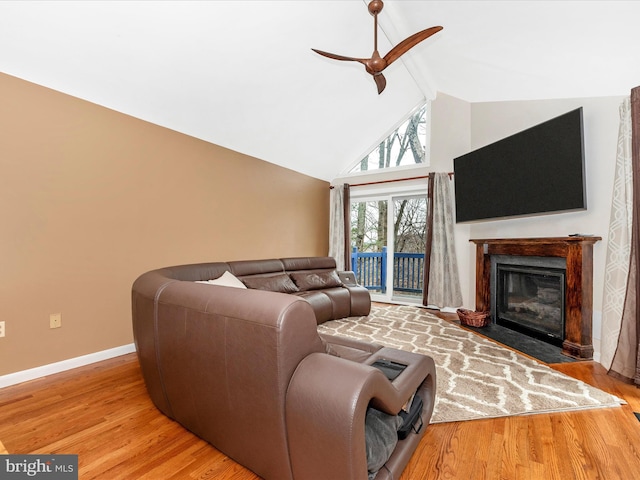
[405, 146]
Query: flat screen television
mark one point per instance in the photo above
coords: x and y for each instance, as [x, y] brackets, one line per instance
[539, 170]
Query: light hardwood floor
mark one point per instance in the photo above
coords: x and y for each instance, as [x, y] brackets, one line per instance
[102, 413]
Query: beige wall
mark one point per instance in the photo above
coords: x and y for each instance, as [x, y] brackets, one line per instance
[91, 198]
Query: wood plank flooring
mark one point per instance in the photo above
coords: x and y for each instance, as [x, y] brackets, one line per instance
[102, 413]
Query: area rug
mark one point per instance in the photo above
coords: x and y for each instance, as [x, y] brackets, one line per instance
[476, 377]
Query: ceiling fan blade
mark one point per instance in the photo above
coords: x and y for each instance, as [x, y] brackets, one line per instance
[381, 82]
[408, 43]
[376, 64]
[339, 57]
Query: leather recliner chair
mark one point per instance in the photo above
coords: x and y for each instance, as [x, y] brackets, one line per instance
[247, 371]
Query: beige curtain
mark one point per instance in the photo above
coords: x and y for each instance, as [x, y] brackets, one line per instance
[619, 241]
[442, 280]
[626, 359]
[339, 230]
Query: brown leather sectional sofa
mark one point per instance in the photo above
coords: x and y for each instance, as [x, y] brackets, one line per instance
[332, 294]
[246, 370]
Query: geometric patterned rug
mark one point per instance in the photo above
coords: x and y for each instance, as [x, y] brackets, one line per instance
[476, 378]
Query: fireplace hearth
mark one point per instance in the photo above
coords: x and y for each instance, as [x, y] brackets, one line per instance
[534, 274]
[527, 295]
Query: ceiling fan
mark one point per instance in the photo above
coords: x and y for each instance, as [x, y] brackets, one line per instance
[376, 64]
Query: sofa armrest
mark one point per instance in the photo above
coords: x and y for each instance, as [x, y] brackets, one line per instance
[348, 278]
[325, 414]
[360, 298]
[326, 407]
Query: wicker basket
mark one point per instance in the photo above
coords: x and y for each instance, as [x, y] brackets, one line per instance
[473, 319]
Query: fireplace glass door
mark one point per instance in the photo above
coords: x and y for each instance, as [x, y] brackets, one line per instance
[531, 300]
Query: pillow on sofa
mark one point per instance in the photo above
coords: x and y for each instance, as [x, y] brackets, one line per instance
[227, 279]
[315, 280]
[273, 283]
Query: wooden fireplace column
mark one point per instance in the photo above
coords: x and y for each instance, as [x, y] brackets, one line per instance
[578, 252]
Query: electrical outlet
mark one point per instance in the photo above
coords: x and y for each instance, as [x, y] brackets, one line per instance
[2, 329]
[55, 320]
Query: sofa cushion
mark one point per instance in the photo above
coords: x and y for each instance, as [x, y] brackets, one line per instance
[273, 283]
[316, 280]
[340, 301]
[320, 302]
[244, 268]
[227, 279]
[308, 263]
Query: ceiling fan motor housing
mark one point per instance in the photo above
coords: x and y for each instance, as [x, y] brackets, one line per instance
[376, 64]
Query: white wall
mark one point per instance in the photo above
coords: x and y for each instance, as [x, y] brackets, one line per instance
[450, 138]
[457, 124]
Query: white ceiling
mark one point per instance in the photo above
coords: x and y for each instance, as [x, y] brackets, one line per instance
[241, 74]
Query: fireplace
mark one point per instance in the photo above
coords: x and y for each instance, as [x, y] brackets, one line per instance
[533, 273]
[527, 295]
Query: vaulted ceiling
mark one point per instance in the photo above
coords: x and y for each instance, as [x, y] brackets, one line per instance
[241, 74]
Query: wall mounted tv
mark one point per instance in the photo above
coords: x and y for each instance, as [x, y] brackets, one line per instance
[536, 171]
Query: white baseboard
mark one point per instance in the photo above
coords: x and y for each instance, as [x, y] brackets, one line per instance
[52, 368]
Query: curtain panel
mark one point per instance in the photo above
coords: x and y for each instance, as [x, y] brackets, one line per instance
[619, 241]
[626, 359]
[442, 280]
[339, 226]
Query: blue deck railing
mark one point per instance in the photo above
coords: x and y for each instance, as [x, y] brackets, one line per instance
[370, 269]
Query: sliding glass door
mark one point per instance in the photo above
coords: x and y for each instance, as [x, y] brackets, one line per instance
[388, 244]
[409, 233]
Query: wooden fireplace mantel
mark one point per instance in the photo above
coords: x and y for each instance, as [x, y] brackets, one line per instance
[578, 252]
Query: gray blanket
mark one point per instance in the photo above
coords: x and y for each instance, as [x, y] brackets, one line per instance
[381, 437]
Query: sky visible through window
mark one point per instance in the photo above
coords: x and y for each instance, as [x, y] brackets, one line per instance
[406, 145]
